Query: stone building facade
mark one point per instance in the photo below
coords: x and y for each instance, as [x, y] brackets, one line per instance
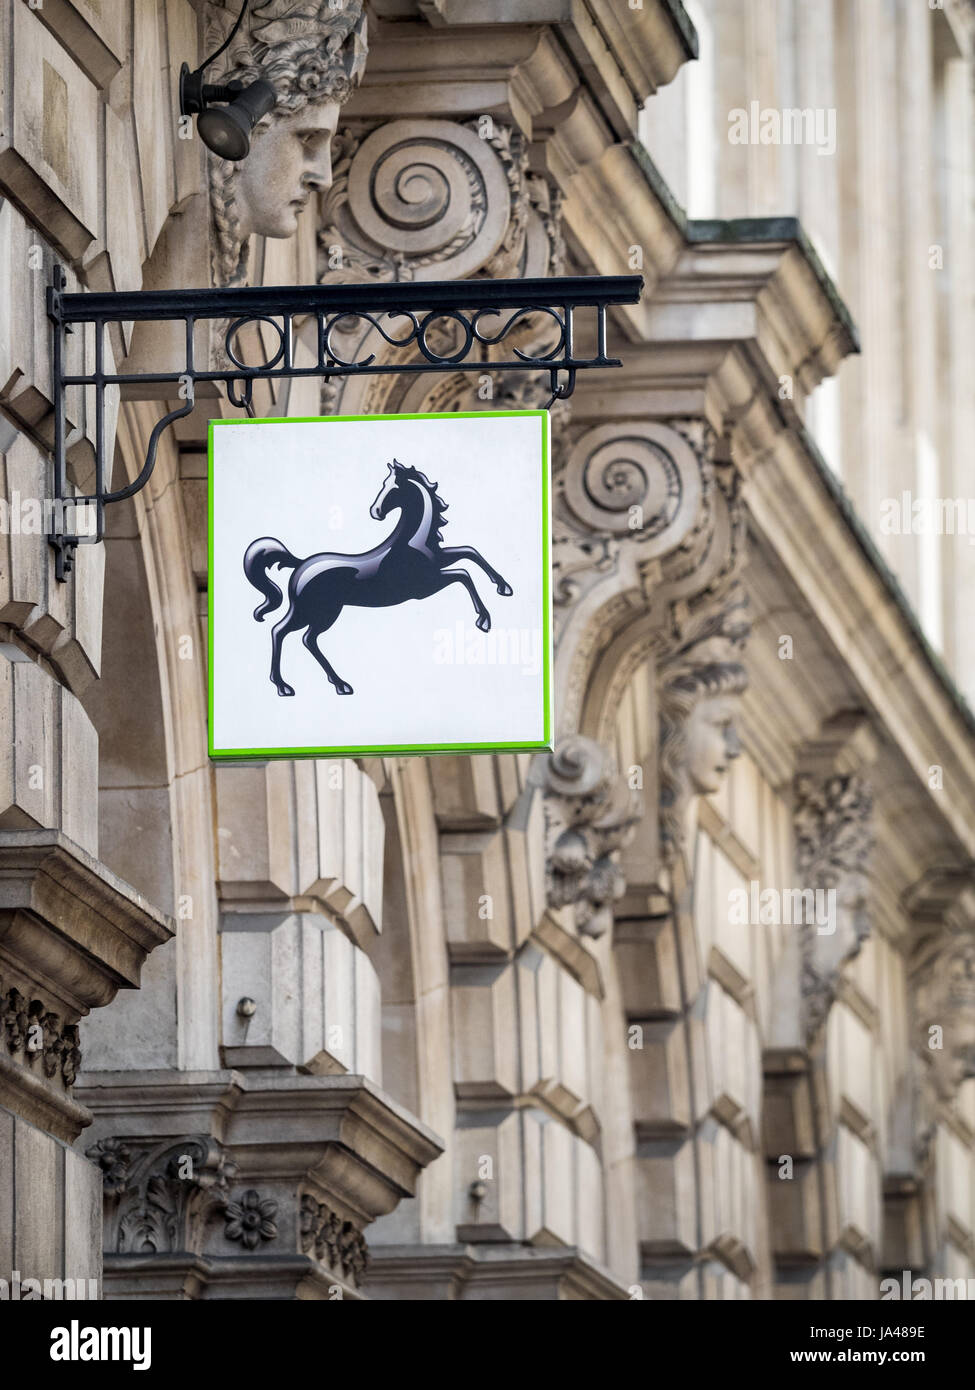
[258, 1038]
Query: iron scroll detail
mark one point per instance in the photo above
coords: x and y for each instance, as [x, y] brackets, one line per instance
[482, 314]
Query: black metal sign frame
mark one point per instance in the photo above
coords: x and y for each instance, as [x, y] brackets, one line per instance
[483, 312]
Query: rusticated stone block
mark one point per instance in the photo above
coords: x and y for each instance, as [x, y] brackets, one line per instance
[476, 895]
[465, 794]
[314, 995]
[48, 161]
[659, 1079]
[485, 1046]
[666, 1200]
[648, 967]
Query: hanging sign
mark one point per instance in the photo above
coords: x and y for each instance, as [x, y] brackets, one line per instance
[379, 584]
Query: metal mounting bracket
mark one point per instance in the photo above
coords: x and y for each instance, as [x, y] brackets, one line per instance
[469, 304]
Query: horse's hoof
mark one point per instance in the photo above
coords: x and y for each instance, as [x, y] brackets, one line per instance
[285, 689]
[504, 589]
[484, 622]
[344, 688]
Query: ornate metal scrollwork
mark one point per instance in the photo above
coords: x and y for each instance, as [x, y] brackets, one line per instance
[444, 323]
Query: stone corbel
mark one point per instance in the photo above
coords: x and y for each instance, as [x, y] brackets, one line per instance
[71, 935]
[648, 538]
[832, 820]
[590, 814]
[254, 1182]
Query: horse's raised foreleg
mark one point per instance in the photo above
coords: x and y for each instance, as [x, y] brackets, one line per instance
[278, 633]
[462, 577]
[467, 552]
[310, 640]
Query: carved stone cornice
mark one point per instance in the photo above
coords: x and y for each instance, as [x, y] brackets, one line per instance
[474, 1272]
[68, 925]
[833, 829]
[625, 52]
[220, 1182]
[71, 934]
[363, 1152]
[590, 814]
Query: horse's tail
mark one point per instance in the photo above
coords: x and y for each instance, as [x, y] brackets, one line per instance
[260, 554]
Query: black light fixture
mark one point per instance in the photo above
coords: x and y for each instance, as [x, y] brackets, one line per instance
[226, 132]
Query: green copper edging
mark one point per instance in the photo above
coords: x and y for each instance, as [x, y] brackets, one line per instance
[388, 750]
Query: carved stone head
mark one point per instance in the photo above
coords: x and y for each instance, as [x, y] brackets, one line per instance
[700, 689]
[313, 54]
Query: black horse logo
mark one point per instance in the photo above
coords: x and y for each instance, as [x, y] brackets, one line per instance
[409, 563]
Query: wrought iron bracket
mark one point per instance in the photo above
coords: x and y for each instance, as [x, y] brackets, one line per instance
[483, 312]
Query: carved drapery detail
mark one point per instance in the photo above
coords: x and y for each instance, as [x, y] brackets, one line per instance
[159, 1197]
[590, 813]
[833, 838]
[38, 1035]
[310, 51]
[336, 1243]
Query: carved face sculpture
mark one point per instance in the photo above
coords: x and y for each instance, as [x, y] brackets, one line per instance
[290, 157]
[712, 742]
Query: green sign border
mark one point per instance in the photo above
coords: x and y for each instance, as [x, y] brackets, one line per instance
[545, 745]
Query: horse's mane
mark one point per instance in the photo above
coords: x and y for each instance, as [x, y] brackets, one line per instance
[412, 474]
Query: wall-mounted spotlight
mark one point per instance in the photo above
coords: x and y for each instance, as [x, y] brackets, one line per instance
[226, 132]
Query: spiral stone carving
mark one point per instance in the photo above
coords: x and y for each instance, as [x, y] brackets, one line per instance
[641, 480]
[435, 192]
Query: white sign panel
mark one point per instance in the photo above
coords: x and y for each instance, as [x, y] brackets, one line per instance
[379, 584]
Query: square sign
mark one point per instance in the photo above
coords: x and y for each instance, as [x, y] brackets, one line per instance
[379, 584]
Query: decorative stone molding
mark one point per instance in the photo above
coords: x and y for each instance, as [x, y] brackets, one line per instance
[251, 1220]
[277, 1136]
[312, 52]
[590, 814]
[336, 1243]
[648, 538]
[159, 1197]
[832, 819]
[70, 934]
[33, 1031]
[699, 687]
[438, 200]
